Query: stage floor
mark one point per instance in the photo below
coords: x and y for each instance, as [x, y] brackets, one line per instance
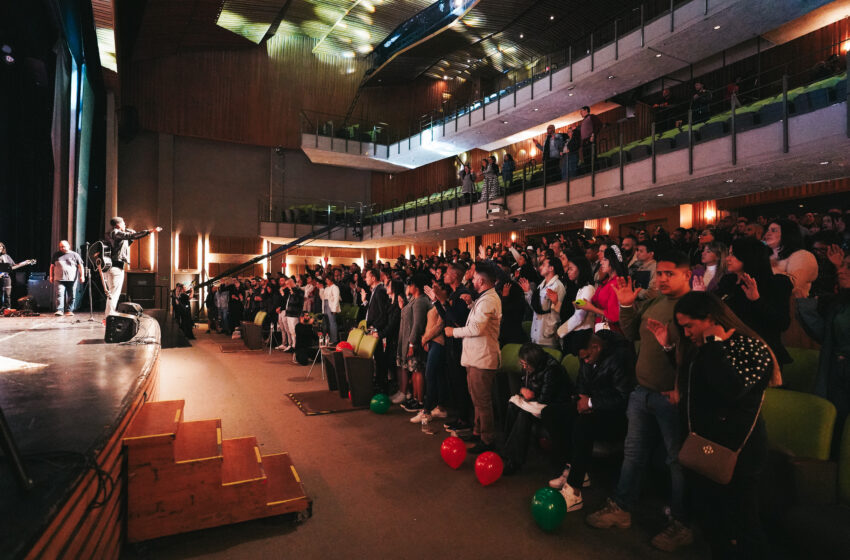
[62, 401]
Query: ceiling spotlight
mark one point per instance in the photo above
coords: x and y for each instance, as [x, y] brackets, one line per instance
[561, 213]
[445, 77]
[730, 180]
[522, 36]
[657, 55]
[824, 163]
[535, 109]
[606, 205]
[504, 122]
[716, 27]
[611, 77]
[551, 18]
[660, 194]
[570, 94]
[548, 222]
[801, 206]
[523, 219]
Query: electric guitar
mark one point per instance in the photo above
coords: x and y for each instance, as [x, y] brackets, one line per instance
[30, 262]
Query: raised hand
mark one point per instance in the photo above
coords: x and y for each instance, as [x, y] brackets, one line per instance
[698, 284]
[626, 291]
[466, 298]
[552, 295]
[719, 332]
[659, 330]
[835, 255]
[750, 287]
[429, 291]
[506, 289]
[523, 283]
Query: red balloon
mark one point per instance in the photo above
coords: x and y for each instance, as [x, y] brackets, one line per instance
[453, 451]
[344, 345]
[488, 468]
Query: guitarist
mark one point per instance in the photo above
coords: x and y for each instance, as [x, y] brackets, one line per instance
[5, 279]
[119, 240]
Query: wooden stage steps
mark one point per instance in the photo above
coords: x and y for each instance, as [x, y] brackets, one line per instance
[182, 476]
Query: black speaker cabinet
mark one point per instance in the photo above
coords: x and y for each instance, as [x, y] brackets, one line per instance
[121, 327]
[130, 308]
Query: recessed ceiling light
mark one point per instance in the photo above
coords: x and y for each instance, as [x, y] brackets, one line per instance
[561, 213]
[730, 180]
[445, 77]
[522, 36]
[571, 94]
[504, 122]
[551, 18]
[801, 206]
[716, 27]
[523, 219]
[657, 55]
[824, 163]
[660, 194]
[461, 229]
[606, 205]
[535, 110]
[548, 222]
[611, 77]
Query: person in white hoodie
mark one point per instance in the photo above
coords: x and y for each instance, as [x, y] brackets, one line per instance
[481, 355]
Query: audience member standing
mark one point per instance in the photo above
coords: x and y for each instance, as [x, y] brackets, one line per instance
[653, 404]
[789, 257]
[551, 150]
[376, 321]
[508, 168]
[410, 354]
[546, 320]
[604, 301]
[590, 127]
[294, 308]
[575, 330]
[331, 307]
[481, 355]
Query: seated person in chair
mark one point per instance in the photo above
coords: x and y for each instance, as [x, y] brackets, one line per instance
[306, 340]
[544, 383]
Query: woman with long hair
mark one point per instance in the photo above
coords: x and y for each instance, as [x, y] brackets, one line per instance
[395, 293]
[760, 298]
[577, 323]
[604, 303]
[790, 257]
[706, 276]
[724, 368]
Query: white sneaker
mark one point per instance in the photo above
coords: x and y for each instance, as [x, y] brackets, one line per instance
[439, 412]
[574, 503]
[397, 398]
[281, 347]
[558, 483]
[421, 415]
[59, 313]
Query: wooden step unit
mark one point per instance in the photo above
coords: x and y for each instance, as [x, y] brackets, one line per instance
[182, 476]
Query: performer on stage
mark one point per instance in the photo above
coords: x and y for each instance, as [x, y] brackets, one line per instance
[5, 280]
[119, 239]
[66, 269]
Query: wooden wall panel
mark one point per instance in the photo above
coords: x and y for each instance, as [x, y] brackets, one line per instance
[790, 193]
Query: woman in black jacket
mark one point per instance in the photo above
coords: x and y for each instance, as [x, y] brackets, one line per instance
[760, 298]
[544, 382]
[389, 331]
[724, 368]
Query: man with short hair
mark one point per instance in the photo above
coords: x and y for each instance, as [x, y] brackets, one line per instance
[590, 126]
[331, 299]
[481, 356]
[544, 325]
[550, 151]
[756, 230]
[294, 308]
[628, 246]
[642, 271]
[119, 240]
[377, 317]
[653, 403]
[66, 269]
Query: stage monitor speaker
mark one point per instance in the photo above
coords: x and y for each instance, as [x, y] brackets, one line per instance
[130, 308]
[121, 327]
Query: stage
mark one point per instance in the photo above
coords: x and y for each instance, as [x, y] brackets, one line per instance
[68, 397]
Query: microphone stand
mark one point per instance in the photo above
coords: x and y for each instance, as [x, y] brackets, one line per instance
[91, 318]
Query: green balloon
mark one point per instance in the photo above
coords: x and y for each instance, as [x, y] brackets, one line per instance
[548, 508]
[380, 404]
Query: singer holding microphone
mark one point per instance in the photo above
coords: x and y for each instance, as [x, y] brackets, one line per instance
[119, 240]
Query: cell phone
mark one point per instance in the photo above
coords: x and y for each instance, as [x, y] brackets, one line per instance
[580, 302]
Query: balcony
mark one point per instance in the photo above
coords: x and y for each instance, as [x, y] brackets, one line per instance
[558, 85]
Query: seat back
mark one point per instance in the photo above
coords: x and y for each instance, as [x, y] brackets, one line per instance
[354, 338]
[571, 364]
[368, 344]
[554, 352]
[800, 374]
[362, 325]
[510, 358]
[844, 466]
[259, 318]
[798, 423]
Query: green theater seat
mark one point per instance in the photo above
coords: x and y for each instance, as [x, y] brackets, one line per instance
[798, 423]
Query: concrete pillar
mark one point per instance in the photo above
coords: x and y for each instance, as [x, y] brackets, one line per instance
[165, 216]
[111, 190]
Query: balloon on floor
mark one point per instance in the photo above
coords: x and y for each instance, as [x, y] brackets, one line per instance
[488, 468]
[453, 451]
[548, 508]
[380, 404]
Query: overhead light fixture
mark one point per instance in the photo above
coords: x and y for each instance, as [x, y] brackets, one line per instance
[535, 109]
[660, 194]
[824, 163]
[561, 213]
[801, 206]
[551, 18]
[522, 36]
[523, 219]
[570, 94]
[606, 205]
[445, 77]
[504, 122]
[730, 180]
[716, 27]
[657, 55]
[611, 76]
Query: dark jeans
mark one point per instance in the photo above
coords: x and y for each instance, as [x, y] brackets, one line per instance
[646, 410]
[552, 169]
[730, 514]
[381, 382]
[574, 434]
[5, 291]
[460, 399]
[224, 320]
[436, 392]
[518, 425]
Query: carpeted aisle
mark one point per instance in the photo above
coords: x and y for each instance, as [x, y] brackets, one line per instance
[379, 487]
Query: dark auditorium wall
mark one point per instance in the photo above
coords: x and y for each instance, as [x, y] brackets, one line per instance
[255, 96]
